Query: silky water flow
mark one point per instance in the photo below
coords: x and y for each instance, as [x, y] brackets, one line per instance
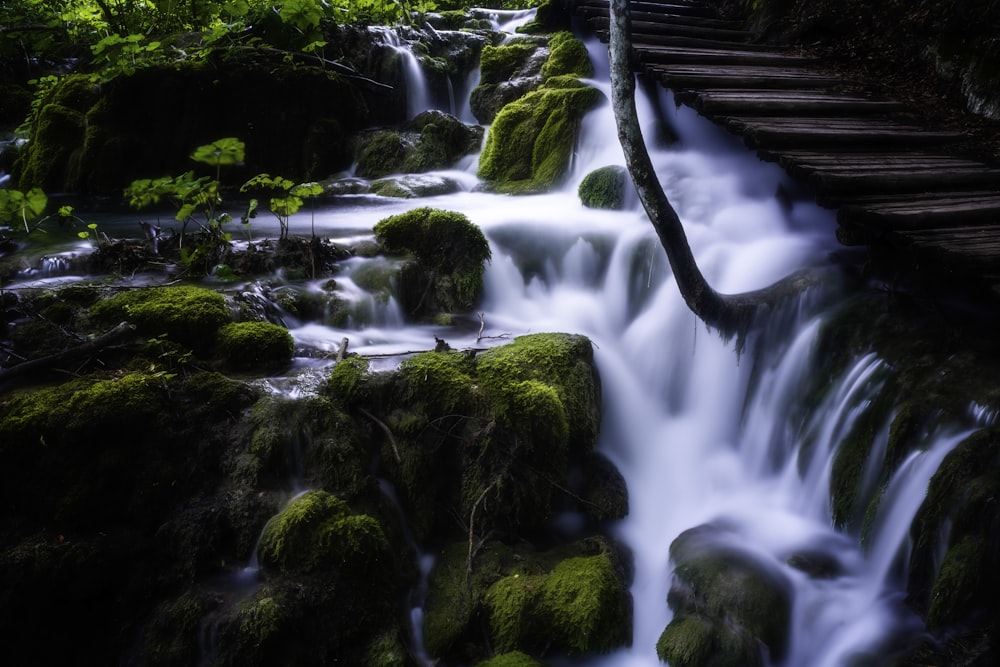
[702, 433]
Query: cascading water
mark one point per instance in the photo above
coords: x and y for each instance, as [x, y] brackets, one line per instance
[700, 433]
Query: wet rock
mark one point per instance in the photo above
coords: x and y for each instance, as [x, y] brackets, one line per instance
[432, 140]
[451, 254]
[508, 72]
[255, 345]
[413, 186]
[731, 609]
[573, 599]
[531, 140]
[604, 188]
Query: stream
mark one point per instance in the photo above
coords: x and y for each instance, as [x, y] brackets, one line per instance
[701, 433]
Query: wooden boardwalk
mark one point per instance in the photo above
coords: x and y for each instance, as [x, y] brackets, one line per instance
[894, 184]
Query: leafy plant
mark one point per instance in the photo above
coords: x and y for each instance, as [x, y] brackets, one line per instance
[197, 199]
[289, 199]
[23, 207]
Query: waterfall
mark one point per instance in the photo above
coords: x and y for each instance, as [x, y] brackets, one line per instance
[700, 433]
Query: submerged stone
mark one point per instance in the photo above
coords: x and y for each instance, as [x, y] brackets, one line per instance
[731, 609]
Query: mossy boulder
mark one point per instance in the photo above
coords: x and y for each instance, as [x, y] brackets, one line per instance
[507, 72]
[567, 56]
[52, 160]
[191, 316]
[255, 345]
[572, 599]
[318, 531]
[451, 252]
[604, 188]
[432, 140]
[512, 659]
[531, 141]
[731, 608]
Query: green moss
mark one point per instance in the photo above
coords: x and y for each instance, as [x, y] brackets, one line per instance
[446, 243]
[530, 143]
[119, 403]
[513, 604]
[687, 642]
[564, 362]
[512, 659]
[440, 381]
[255, 345]
[567, 56]
[51, 161]
[499, 63]
[259, 620]
[316, 531]
[188, 315]
[604, 188]
[346, 379]
[384, 154]
[172, 637]
[745, 601]
[959, 587]
[387, 650]
[584, 601]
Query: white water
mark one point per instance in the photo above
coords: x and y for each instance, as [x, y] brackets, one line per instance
[681, 423]
[700, 433]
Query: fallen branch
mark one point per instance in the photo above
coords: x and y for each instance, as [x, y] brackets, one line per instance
[385, 429]
[98, 344]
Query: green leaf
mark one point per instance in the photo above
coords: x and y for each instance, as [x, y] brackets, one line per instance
[310, 189]
[65, 211]
[227, 151]
[35, 202]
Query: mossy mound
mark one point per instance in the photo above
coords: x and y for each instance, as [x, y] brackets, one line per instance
[731, 609]
[604, 188]
[317, 531]
[255, 345]
[507, 72]
[567, 57]
[512, 659]
[494, 436]
[432, 140]
[530, 143]
[188, 315]
[451, 252]
[572, 599]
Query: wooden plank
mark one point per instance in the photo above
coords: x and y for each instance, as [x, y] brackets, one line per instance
[735, 56]
[693, 39]
[738, 76]
[924, 214]
[795, 103]
[861, 181]
[722, 34]
[675, 8]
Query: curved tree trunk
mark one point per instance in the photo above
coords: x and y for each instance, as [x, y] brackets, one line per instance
[730, 314]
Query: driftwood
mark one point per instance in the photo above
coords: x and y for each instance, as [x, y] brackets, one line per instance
[730, 314]
[104, 341]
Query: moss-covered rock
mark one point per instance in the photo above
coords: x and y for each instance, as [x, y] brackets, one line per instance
[604, 188]
[432, 140]
[507, 72]
[317, 531]
[572, 599]
[512, 659]
[530, 143]
[452, 253]
[52, 160]
[255, 345]
[731, 609]
[567, 56]
[188, 315]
